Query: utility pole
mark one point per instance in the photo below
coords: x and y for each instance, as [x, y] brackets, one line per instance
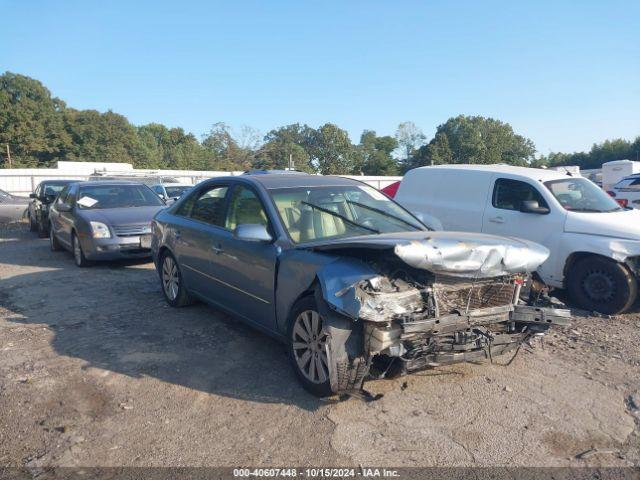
[9, 155]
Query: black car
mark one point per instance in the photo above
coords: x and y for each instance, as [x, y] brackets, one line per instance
[42, 197]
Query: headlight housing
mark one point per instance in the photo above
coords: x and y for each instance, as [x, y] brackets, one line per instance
[100, 230]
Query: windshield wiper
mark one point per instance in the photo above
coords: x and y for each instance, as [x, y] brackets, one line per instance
[382, 212]
[342, 217]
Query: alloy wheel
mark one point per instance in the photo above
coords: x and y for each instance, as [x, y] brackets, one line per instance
[170, 278]
[309, 347]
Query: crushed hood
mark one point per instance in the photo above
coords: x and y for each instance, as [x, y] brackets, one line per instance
[462, 254]
[624, 224]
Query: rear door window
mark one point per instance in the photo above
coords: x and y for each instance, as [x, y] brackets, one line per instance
[509, 194]
[208, 205]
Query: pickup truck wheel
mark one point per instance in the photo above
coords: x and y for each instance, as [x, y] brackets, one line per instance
[602, 285]
[171, 281]
[306, 347]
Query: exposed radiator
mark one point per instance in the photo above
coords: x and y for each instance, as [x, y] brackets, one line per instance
[455, 294]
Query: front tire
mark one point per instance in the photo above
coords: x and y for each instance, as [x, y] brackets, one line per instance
[306, 347]
[78, 254]
[172, 283]
[53, 241]
[602, 285]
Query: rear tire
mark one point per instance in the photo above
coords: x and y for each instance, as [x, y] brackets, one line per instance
[78, 254]
[306, 347]
[172, 282]
[602, 285]
[53, 241]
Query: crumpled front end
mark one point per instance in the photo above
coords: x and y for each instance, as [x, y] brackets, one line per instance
[411, 307]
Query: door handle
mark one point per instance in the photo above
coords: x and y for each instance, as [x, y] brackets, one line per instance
[218, 249]
[497, 220]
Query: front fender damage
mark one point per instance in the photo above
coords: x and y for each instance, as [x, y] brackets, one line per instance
[396, 311]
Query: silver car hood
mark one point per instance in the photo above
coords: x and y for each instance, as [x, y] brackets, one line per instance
[461, 254]
[122, 216]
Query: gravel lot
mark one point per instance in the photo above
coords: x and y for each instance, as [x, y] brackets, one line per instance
[95, 369]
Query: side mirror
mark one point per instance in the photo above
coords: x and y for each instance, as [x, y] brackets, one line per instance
[33, 195]
[252, 232]
[63, 207]
[532, 206]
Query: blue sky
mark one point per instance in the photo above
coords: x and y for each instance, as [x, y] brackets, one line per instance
[565, 74]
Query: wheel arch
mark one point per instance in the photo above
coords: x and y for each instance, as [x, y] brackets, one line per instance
[576, 257]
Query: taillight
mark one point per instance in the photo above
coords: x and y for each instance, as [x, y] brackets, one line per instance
[611, 193]
[623, 202]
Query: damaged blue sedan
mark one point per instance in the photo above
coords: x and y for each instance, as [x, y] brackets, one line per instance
[355, 285]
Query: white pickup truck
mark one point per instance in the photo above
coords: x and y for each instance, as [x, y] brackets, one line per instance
[594, 243]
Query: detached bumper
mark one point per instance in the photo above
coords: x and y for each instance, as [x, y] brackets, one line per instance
[482, 334]
[114, 248]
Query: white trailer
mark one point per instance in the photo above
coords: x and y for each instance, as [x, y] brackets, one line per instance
[613, 172]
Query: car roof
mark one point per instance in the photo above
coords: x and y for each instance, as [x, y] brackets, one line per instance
[534, 173]
[292, 180]
[173, 184]
[58, 182]
[107, 183]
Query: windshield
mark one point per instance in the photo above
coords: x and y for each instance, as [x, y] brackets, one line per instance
[581, 195]
[317, 213]
[173, 192]
[117, 196]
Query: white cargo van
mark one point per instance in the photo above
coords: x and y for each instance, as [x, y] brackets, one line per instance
[594, 243]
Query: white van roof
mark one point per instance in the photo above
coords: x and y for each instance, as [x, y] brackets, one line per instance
[533, 173]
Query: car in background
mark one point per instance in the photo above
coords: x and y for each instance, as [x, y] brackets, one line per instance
[391, 189]
[170, 192]
[352, 282]
[103, 220]
[41, 198]
[12, 207]
[594, 242]
[627, 191]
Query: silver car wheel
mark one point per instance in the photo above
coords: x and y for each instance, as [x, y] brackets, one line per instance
[309, 347]
[77, 250]
[170, 278]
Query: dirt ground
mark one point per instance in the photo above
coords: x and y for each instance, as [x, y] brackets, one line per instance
[95, 369]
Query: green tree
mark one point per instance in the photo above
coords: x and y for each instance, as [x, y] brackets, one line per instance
[171, 149]
[375, 154]
[291, 140]
[31, 122]
[331, 152]
[102, 137]
[228, 153]
[477, 139]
